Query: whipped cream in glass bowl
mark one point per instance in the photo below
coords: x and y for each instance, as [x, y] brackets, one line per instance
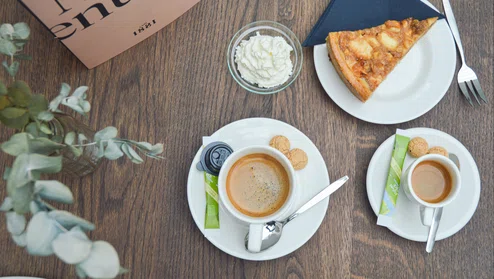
[265, 57]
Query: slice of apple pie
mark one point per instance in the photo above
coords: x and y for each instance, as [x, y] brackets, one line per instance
[364, 58]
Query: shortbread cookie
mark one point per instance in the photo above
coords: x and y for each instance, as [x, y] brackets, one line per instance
[298, 158]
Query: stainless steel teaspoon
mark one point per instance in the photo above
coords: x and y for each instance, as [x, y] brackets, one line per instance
[271, 232]
[438, 212]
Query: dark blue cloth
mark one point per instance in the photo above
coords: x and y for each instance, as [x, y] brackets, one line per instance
[343, 15]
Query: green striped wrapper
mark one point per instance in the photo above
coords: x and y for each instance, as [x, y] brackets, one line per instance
[212, 218]
[390, 196]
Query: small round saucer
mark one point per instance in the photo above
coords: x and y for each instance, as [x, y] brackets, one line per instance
[406, 222]
[314, 177]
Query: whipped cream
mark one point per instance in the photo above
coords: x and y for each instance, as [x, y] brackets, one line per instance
[264, 60]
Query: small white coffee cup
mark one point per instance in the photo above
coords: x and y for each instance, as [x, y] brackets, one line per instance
[256, 223]
[427, 208]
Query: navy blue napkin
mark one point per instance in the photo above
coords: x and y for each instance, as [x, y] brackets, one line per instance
[343, 15]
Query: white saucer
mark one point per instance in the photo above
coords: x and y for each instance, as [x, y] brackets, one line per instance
[406, 222]
[413, 88]
[313, 178]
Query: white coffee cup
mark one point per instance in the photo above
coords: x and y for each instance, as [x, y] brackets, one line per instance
[427, 208]
[256, 223]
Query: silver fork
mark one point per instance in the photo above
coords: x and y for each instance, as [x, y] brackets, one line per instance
[467, 79]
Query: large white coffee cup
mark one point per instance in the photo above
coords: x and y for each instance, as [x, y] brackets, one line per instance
[256, 223]
[427, 208]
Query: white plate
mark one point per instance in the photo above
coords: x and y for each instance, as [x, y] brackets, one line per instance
[413, 88]
[406, 222]
[313, 178]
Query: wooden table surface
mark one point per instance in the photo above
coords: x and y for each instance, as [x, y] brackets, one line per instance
[175, 87]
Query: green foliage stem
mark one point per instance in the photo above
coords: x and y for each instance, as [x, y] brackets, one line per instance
[39, 151]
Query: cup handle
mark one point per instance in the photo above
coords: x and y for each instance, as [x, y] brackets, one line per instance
[426, 215]
[255, 237]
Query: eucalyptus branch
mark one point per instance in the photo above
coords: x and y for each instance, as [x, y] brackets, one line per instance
[39, 150]
[12, 41]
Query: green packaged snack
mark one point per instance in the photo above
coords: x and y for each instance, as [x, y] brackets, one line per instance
[213, 156]
[391, 190]
[212, 218]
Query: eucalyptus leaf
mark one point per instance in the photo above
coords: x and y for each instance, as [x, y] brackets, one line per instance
[22, 86]
[112, 151]
[20, 240]
[26, 168]
[57, 139]
[16, 223]
[86, 106]
[69, 138]
[69, 220]
[72, 247]
[6, 30]
[144, 145]
[13, 68]
[81, 139]
[37, 104]
[22, 30]
[65, 90]
[13, 112]
[34, 207]
[45, 129]
[55, 103]
[4, 102]
[132, 154]
[73, 103]
[32, 129]
[7, 47]
[7, 204]
[6, 66]
[101, 149]
[102, 261]
[19, 174]
[41, 231]
[80, 92]
[21, 197]
[16, 123]
[45, 116]
[44, 146]
[53, 190]
[6, 173]
[151, 149]
[20, 92]
[45, 164]
[17, 144]
[76, 151]
[157, 149]
[106, 134]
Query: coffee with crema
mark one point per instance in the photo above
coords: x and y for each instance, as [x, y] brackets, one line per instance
[257, 185]
[431, 181]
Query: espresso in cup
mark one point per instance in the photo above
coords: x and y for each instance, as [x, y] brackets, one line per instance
[431, 181]
[257, 185]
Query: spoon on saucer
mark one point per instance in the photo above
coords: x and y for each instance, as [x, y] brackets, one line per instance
[271, 232]
[436, 217]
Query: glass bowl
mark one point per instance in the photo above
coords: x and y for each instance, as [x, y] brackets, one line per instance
[269, 28]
